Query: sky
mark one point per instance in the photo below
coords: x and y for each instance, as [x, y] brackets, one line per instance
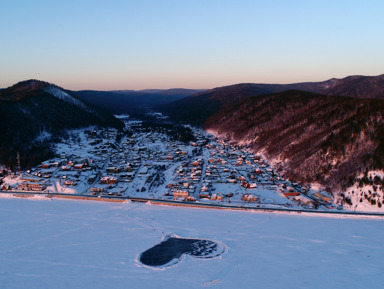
[199, 44]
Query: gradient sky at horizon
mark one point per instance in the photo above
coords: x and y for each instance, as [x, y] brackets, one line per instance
[106, 45]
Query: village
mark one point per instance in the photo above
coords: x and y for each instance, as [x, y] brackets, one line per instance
[149, 164]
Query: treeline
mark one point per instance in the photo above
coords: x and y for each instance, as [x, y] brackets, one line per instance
[175, 132]
[30, 156]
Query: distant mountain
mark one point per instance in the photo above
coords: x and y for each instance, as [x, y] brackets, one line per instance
[354, 86]
[32, 110]
[309, 137]
[116, 103]
[197, 108]
[182, 92]
[130, 101]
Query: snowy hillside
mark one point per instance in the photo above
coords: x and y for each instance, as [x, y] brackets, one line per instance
[33, 113]
[61, 94]
[367, 193]
[68, 244]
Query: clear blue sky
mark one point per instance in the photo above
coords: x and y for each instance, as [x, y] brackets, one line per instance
[142, 44]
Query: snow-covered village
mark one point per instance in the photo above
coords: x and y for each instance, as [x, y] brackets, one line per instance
[191, 144]
[134, 209]
[149, 165]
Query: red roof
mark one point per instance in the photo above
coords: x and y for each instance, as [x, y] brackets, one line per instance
[292, 194]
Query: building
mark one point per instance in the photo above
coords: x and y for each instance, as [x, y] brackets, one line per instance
[249, 185]
[5, 187]
[249, 198]
[112, 170]
[322, 197]
[291, 194]
[108, 180]
[217, 197]
[79, 166]
[69, 183]
[31, 186]
[180, 194]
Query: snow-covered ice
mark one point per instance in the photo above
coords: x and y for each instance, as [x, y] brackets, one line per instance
[83, 244]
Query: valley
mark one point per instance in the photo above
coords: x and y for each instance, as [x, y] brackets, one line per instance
[150, 163]
[244, 145]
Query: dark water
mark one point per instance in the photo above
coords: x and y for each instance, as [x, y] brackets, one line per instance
[173, 248]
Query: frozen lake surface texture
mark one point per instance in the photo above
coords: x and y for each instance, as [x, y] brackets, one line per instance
[83, 244]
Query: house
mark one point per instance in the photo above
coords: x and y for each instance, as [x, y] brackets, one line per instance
[249, 198]
[108, 180]
[291, 194]
[30, 179]
[322, 197]
[99, 190]
[190, 199]
[69, 183]
[27, 186]
[5, 187]
[79, 166]
[112, 170]
[46, 165]
[180, 194]
[249, 185]
[304, 200]
[217, 196]
[204, 195]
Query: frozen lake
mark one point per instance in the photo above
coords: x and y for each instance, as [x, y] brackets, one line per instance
[69, 244]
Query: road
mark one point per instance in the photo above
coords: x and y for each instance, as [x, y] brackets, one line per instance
[203, 170]
[204, 205]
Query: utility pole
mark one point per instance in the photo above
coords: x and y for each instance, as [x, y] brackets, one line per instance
[18, 162]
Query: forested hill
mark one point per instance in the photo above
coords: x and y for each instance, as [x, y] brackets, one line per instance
[33, 112]
[309, 137]
[198, 107]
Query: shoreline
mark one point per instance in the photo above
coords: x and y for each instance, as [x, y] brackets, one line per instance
[185, 204]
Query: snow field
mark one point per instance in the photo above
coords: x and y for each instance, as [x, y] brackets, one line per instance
[69, 244]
